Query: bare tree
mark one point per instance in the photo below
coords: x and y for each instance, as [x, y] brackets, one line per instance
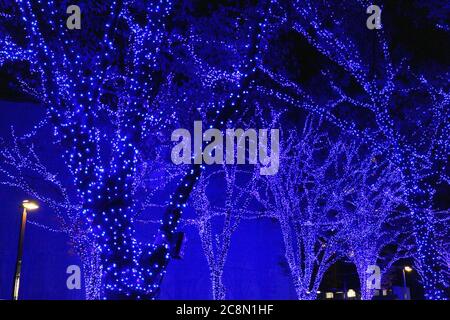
[380, 87]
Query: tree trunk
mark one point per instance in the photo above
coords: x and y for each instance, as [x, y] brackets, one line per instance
[305, 294]
[366, 292]
[217, 287]
[92, 272]
[427, 256]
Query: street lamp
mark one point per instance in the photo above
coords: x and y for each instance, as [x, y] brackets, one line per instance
[407, 269]
[26, 205]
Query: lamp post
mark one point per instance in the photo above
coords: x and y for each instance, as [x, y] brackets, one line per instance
[407, 269]
[405, 290]
[26, 205]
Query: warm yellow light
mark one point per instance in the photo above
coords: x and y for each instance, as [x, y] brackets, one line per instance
[30, 205]
[351, 293]
[408, 269]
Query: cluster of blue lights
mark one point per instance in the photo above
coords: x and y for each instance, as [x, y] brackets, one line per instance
[118, 87]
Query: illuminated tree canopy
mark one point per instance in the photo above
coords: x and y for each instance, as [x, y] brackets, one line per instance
[364, 139]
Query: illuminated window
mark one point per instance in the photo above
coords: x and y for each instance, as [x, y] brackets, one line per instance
[351, 293]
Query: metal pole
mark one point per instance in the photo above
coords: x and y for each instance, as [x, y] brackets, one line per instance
[19, 256]
[404, 278]
[405, 293]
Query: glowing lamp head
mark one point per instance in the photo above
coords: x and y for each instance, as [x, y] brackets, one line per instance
[408, 269]
[30, 205]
